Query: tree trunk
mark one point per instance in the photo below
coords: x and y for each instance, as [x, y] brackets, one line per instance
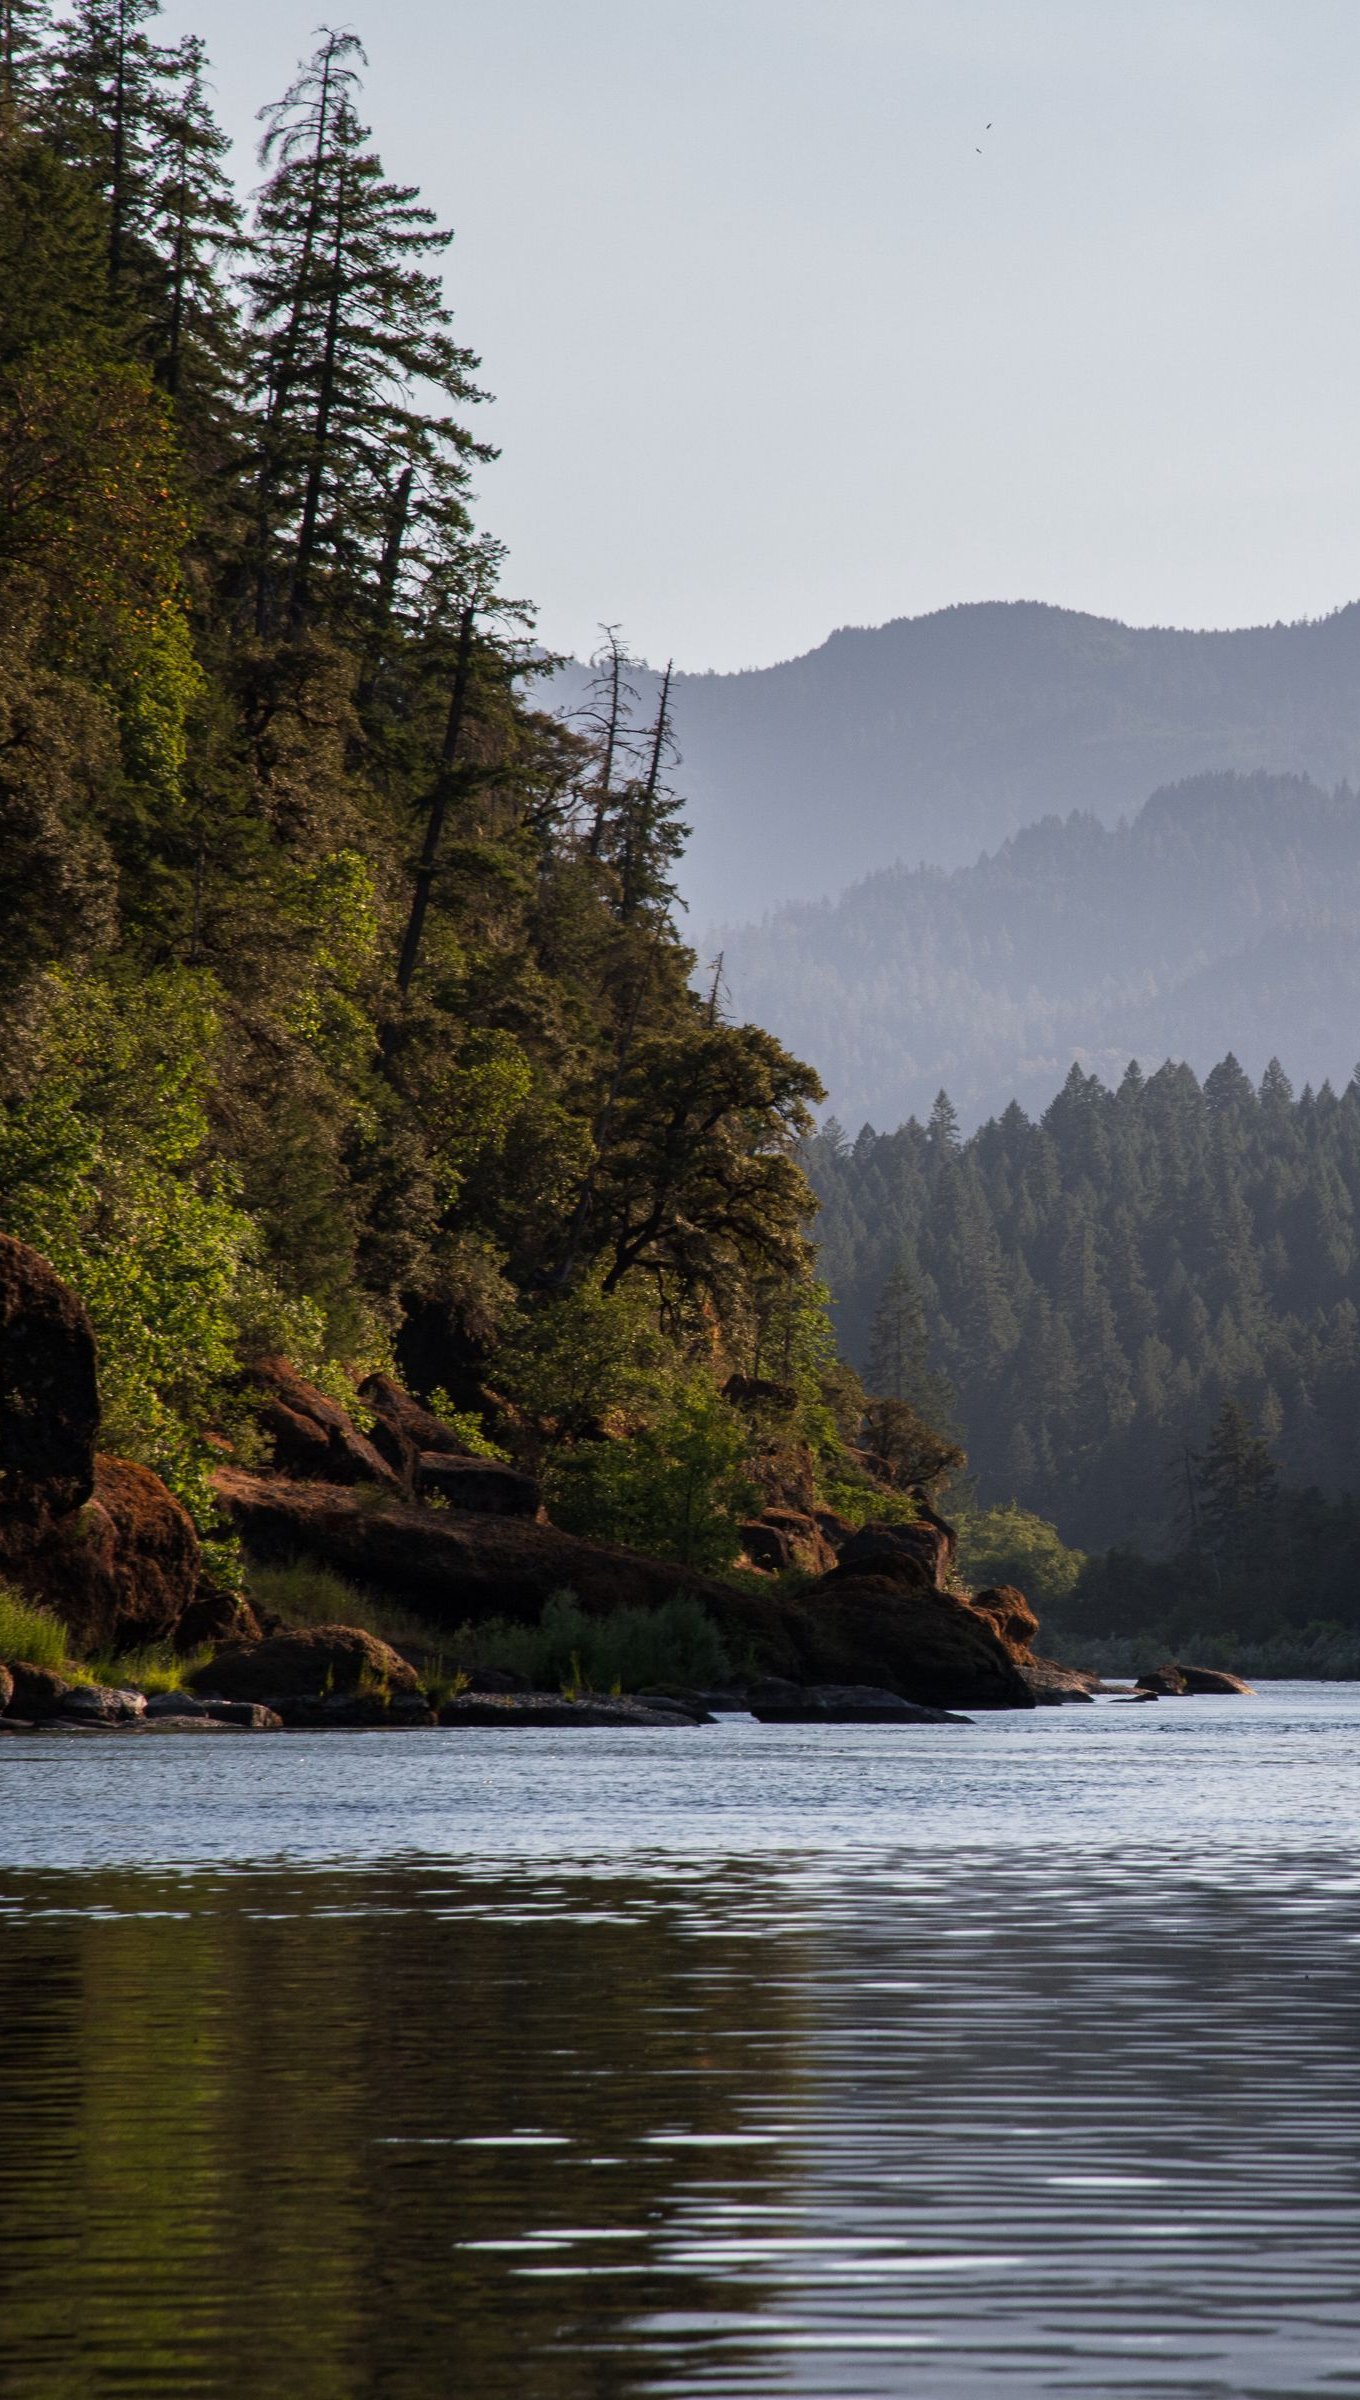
[434, 823]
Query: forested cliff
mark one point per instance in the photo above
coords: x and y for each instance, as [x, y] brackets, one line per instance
[344, 1014]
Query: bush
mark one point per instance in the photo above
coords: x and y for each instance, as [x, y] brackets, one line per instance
[1007, 1545]
[627, 1650]
[31, 1636]
[677, 1490]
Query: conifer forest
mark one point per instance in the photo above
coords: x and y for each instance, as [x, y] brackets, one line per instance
[347, 1016]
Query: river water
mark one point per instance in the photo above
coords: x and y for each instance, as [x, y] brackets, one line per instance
[1007, 2059]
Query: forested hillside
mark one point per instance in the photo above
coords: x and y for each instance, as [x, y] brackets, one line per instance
[343, 1010]
[934, 738]
[1223, 916]
[1095, 1286]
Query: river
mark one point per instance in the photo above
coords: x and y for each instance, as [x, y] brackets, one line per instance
[1016, 2058]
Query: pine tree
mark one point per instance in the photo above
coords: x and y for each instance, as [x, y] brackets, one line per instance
[104, 104]
[24, 29]
[1237, 1483]
[898, 1340]
[943, 1126]
[353, 330]
[646, 836]
[195, 227]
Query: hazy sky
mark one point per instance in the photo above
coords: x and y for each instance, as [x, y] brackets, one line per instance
[775, 350]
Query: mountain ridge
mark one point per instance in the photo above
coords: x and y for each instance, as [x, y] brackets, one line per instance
[936, 737]
[1222, 915]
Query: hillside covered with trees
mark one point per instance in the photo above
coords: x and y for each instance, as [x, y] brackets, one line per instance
[1222, 916]
[344, 1011]
[1087, 1292]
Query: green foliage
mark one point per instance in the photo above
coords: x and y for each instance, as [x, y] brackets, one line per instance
[103, 1168]
[468, 1427]
[30, 1636]
[1007, 1544]
[627, 1650]
[1315, 1653]
[584, 1360]
[1098, 1285]
[248, 636]
[677, 1489]
[157, 1669]
[301, 1593]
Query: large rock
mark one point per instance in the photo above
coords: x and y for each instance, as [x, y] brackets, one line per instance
[314, 1662]
[513, 1709]
[480, 1487]
[404, 1431]
[49, 1403]
[928, 1544]
[119, 1572]
[450, 1566]
[1211, 1679]
[780, 1538]
[899, 1632]
[103, 1704]
[1009, 1611]
[844, 1704]
[36, 1692]
[6, 1688]
[314, 1437]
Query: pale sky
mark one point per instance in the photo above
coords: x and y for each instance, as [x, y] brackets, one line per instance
[775, 349]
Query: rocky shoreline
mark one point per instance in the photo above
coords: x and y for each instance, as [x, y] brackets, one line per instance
[877, 1632]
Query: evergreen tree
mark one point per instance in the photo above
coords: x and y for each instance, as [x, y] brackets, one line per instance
[24, 29]
[353, 330]
[195, 226]
[943, 1127]
[104, 102]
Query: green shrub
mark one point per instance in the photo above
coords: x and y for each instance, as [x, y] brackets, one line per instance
[158, 1669]
[626, 1650]
[31, 1636]
[584, 1358]
[677, 1490]
[1007, 1544]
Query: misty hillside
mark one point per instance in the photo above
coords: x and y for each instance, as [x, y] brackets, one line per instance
[1223, 916]
[937, 737]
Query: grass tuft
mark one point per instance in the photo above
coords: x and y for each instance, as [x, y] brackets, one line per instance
[31, 1636]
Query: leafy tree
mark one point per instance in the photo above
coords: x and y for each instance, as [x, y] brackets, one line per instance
[678, 1488]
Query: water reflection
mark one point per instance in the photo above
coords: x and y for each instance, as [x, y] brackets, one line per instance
[1031, 2124]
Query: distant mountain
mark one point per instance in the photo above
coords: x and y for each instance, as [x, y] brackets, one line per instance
[1224, 916]
[936, 737]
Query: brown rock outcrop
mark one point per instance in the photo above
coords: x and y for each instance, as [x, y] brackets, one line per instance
[893, 1628]
[314, 1437]
[312, 1663]
[119, 1572]
[36, 1692]
[451, 1567]
[6, 1688]
[1213, 1679]
[49, 1403]
[927, 1541]
[482, 1487]
[404, 1431]
[780, 1538]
